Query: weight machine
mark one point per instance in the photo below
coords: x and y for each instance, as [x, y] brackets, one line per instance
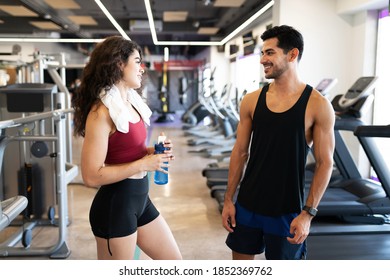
[63, 175]
[36, 129]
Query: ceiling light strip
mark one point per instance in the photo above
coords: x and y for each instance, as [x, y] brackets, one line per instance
[50, 40]
[111, 18]
[151, 21]
[187, 43]
[152, 29]
[201, 43]
[247, 22]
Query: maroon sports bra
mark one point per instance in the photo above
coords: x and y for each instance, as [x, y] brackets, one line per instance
[127, 147]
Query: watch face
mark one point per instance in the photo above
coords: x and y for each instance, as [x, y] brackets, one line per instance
[310, 210]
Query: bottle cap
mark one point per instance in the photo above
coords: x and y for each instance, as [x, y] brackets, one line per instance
[161, 139]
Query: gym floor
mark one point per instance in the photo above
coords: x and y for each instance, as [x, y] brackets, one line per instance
[192, 214]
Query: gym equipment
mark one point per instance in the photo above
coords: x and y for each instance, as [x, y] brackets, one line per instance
[194, 115]
[199, 110]
[63, 174]
[164, 96]
[222, 127]
[372, 223]
[325, 85]
[30, 152]
[224, 146]
[182, 90]
[354, 198]
[359, 99]
[365, 135]
[360, 89]
[34, 73]
[10, 209]
[24, 173]
[372, 131]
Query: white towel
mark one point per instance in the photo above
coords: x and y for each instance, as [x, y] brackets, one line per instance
[119, 113]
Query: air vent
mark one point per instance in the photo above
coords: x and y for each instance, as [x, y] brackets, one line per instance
[143, 25]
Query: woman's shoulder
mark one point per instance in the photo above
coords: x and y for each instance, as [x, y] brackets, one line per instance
[99, 111]
[99, 116]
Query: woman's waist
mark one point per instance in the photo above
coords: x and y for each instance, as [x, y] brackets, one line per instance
[134, 186]
[139, 175]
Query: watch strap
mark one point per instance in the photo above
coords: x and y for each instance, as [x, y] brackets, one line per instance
[312, 211]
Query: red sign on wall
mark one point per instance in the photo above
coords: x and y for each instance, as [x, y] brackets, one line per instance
[178, 65]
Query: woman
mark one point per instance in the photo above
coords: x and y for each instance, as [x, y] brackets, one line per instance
[111, 117]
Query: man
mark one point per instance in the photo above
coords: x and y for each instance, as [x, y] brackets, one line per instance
[278, 123]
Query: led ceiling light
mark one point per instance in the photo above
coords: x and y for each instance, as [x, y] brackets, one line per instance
[166, 54]
[49, 40]
[175, 16]
[83, 20]
[228, 3]
[45, 25]
[111, 18]
[208, 30]
[18, 11]
[71, 40]
[152, 30]
[63, 4]
[201, 43]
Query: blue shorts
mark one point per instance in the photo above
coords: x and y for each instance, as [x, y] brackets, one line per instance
[255, 234]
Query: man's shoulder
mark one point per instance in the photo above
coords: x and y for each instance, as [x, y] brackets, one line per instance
[249, 102]
[319, 106]
[254, 94]
[316, 98]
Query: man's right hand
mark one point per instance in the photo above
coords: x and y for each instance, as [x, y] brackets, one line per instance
[229, 216]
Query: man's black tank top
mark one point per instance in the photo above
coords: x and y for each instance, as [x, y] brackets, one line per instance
[273, 183]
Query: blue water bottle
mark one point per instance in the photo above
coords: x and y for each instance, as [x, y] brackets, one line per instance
[160, 178]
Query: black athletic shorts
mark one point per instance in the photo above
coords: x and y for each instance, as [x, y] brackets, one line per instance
[118, 209]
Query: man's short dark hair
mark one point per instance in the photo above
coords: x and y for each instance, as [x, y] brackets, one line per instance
[288, 38]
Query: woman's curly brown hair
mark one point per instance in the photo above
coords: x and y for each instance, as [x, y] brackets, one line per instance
[101, 72]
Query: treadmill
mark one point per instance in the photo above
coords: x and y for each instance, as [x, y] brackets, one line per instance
[354, 198]
[364, 224]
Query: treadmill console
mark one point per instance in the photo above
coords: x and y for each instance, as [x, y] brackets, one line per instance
[326, 85]
[361, 88]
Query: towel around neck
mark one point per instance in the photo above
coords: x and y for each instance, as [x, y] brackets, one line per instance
[118, 111]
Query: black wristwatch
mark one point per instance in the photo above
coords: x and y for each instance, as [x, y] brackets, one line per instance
[312, 211]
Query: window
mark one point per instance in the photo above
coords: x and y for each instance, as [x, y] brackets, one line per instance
[382, 91]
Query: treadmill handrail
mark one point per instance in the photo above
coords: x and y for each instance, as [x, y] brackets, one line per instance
[347, 124]
[373, 131]
[365, 135]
